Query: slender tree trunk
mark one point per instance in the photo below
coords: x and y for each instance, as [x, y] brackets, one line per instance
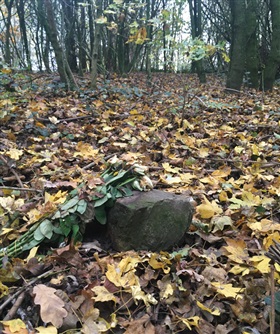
[96, 45]
[120, 48]
[82, 41]
[21, 15]
[252, 58]
[237, 48]
[48, 21]
[7, 55]
[148, 46]
[273, 61]
[196, 29]
[91, 26]
[68, 8]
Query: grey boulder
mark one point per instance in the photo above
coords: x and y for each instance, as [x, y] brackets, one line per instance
[154, 221]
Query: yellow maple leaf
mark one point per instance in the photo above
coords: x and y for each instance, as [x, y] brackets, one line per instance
[57, 198]
[227, 290]
[261, 262]
[4, 290]
[171, 169]
[171, 180]
[264, 226]
[271, 239]
[223, 197]
[208, 209]
[103, 295]
[166, 287]
[46, 330]
[14, 153]
[85, 150]
[222, 172]
[15, 326]
[33, 216]
[236, 251]
[249, 199]
[138, 294]
[160, 262]
[204, 308]
[189, 322]
[219, 223]
[123, 274]
[239, 269]
[187, 177]
[203, 152]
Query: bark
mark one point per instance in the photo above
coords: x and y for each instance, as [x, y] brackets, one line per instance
[21, 15]
[7, 55]
[237, 48]
[196, 30]
[47, 17]
[148, 47]
[68, 7]
[96, 45]
[273, 61]
[252, 58]
[82, 41]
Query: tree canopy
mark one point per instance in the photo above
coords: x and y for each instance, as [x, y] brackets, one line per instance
[121, 36]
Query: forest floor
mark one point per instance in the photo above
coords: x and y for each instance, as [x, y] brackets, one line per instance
[220, 149]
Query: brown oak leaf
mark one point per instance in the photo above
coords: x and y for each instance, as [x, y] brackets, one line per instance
[51, 305]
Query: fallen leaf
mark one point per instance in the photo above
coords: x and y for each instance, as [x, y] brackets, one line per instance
[52, 307]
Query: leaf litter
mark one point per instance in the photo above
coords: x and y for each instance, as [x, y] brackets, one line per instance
[221, 150]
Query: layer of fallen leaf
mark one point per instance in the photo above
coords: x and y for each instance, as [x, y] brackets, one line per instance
[220, 149]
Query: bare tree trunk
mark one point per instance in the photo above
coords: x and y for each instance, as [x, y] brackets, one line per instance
[196, 29]
[273, 61]
[69, 16]
[82, 41]
[7, 56]
[48, 21]
[96, 44]
[237, 48]
[252, 59]
[21, 15]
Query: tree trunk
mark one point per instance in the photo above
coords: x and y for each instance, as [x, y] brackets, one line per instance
[237, 48]
[82, 42]
[68, 7]
[48, 21]
[148, 45]
[21, 15]
[273, 61]
[7, 55]
[196, 29]
[252, 59]
[96, 44]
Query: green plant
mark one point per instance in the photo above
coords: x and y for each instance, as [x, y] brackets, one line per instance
[120, 179]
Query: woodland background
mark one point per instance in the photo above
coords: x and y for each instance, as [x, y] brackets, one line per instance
[187, 88]
[71, 36]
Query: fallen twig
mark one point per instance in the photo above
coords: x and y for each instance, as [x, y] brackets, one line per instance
[23, 288]
[21, 189]
[13, 310]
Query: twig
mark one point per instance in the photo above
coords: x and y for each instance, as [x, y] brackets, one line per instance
[88, 166]
[272, 289]
[199, 99]
[70, 119]
[11, 169]
[14, 308]
[21, 189]
[20, 290]
[237, 91]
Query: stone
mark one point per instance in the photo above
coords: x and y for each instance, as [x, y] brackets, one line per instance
[153, 221]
